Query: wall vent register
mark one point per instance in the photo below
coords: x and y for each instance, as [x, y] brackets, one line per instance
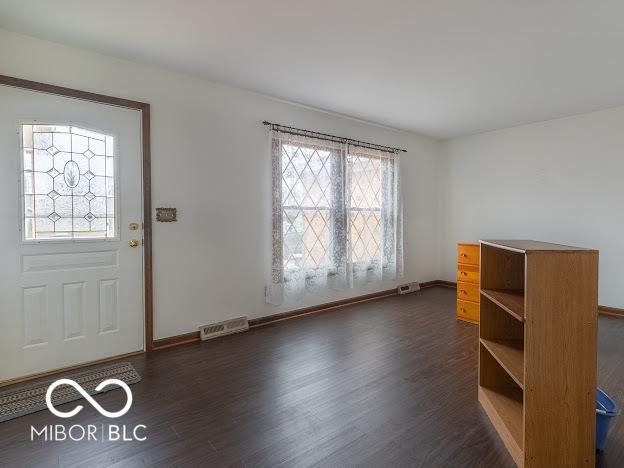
[227, 327]
[408, 288]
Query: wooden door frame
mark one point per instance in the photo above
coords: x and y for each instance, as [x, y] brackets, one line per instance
[144, 109]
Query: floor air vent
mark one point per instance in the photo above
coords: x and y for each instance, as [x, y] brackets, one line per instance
[408, 288]
[213, 330]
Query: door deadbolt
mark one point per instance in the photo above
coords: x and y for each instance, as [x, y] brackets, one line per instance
[133, 226]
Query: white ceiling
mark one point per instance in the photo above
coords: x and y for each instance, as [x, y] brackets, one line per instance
[439, 67]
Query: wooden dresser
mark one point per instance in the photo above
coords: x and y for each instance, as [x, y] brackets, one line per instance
[468, 297]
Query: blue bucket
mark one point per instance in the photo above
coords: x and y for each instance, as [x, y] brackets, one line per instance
[605, 412]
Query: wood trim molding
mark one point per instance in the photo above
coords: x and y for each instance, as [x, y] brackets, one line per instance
[193, 337]
[261, 321]
[613, 311]
[439, 283]
[148, 284]
[69, 92]
[176, 340]
[144, 109]
[39, 375]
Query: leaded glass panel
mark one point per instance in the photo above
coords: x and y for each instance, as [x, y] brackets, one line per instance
[365, 208]
[68, 183]
[307, 206]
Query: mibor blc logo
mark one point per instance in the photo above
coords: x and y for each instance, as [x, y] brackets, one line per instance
[89, 432]
[89, 398]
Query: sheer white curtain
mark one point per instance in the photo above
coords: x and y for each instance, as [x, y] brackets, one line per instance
[337, 216]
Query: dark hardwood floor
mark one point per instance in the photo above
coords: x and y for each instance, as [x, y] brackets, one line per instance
[386, 383]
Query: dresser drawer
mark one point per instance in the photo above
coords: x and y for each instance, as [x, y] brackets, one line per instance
[468, 310]
[468, 273]
[468, 291]
[468, 254]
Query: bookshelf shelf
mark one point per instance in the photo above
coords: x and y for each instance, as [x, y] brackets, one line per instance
[511, 301]
[506, 404]
[510, 355]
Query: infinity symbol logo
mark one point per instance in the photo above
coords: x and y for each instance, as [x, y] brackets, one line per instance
[88, 397]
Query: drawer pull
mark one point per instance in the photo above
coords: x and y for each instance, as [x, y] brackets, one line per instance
[464, 273]
[463, 291]
[464, 255]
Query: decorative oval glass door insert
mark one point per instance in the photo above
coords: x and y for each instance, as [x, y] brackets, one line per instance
[72, 174]
[68, 187]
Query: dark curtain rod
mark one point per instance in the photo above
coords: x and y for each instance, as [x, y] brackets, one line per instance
[326, 136]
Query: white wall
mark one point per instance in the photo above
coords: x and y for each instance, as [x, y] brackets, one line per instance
[559, 181]
[210, 159]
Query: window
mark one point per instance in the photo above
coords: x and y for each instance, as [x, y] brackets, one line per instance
[336, 215]
[306, 207]
[68, 183]
[365, 208]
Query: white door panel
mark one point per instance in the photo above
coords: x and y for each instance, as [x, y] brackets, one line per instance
[67, 300]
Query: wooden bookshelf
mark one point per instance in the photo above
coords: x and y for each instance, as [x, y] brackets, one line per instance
[537, 349]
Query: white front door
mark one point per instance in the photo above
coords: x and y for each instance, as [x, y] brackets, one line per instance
[71, 284]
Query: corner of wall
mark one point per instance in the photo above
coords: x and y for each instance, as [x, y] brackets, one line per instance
[441, 205]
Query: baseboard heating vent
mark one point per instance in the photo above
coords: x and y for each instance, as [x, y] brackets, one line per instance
[408, 288]
[227, 327]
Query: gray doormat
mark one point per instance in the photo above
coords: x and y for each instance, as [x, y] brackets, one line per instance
[30, 398]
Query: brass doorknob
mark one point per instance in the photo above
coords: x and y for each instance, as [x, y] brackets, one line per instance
[133, 243]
